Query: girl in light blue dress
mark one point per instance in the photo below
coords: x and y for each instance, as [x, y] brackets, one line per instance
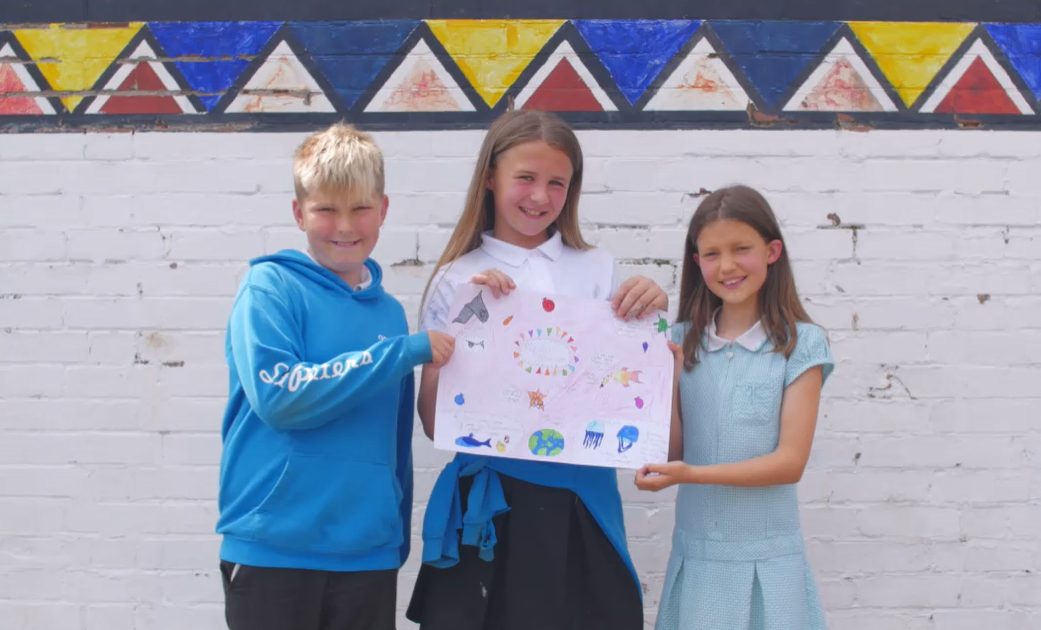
[747, 396]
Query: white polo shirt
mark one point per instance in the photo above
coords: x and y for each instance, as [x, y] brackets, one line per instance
[552, 267]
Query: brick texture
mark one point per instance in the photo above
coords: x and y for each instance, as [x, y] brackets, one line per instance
[919, 251]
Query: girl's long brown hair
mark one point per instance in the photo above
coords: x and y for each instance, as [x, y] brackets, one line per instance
[509, 130]
[779, 305]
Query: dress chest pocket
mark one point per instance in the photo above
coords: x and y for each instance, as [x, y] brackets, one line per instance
[754, 403]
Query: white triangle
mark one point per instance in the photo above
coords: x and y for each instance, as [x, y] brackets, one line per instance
[702, 82]
[565, 51]
[144, 54]
[8, 57]
[281, 85]
[977, 50]
[842, 58]
[420, 84]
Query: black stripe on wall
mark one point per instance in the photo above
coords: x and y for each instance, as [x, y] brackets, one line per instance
[47, 11]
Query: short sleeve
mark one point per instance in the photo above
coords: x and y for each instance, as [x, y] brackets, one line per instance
[811, 349]
[440, 295]
[679, 331]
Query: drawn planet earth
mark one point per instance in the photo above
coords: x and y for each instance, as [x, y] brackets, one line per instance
[546, 443]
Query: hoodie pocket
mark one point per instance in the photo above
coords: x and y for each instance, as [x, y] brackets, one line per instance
[325, 503]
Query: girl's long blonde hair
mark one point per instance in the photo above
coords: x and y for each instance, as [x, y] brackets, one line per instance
[779, 304]
[509, 130]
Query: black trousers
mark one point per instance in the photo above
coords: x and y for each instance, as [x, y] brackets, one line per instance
[264, 598]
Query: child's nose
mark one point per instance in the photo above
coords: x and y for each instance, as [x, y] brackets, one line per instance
[539, 194]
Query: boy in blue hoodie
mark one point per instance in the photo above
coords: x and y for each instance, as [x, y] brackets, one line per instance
[316, 471]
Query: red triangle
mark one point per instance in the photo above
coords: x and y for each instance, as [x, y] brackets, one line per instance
[141, 79]
[563, 91]
[9, 82]
[977, 92]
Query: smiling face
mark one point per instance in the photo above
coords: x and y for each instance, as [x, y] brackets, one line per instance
[342, 229]
[734, 260]
[530, 184]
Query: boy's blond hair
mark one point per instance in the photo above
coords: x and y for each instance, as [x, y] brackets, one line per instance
[339, 159]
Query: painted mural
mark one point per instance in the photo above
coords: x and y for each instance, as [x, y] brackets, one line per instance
[433, 74]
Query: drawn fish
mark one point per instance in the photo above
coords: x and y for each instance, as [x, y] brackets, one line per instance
[623, 377]
[473, 307]
[470, 441]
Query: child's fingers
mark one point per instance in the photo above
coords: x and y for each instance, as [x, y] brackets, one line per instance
[620, 294]
[628, 300]
[653, 296]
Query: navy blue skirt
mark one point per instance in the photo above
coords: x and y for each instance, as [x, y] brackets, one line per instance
[554, 569]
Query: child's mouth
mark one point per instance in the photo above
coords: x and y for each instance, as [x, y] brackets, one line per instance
[346, 244]
[535, 214]
[732, 284]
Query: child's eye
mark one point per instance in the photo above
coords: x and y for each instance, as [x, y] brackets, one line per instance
[561, 184]
[527, 178]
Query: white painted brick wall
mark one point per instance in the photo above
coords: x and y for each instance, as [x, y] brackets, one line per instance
[119, 255]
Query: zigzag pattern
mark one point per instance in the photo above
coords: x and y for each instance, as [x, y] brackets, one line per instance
[451, 73]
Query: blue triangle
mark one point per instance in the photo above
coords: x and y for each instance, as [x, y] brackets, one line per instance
[351, 54]
[773, 54]
[221, 44]
[1021, 43]
[635, 51]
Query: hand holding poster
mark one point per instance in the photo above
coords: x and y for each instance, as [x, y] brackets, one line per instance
[552, 378]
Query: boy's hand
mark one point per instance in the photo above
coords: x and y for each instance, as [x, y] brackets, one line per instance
[638, 297]
[655, 477]
[497, 281]
[441, 346]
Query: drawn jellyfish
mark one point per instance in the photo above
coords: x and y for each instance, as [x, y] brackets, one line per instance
[594, 435]
[627, 436]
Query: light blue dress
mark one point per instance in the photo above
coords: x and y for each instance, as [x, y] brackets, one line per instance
[738, 560]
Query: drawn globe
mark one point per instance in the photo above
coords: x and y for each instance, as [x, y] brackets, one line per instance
[546, 443]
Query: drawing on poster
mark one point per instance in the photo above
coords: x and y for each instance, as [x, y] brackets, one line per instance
[594, 434]
[546, 443]
[473, 307]
[559, 370]
[627, 437]
[469, 441]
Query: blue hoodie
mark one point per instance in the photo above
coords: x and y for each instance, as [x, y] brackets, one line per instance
[316, 471]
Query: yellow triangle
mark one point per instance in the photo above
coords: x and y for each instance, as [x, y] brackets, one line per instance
[72, 58]
[911, 53]
[493, 53]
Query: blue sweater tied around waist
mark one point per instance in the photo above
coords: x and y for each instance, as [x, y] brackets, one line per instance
[446, 523]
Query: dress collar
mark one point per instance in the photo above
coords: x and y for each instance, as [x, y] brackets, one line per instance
[751, 340]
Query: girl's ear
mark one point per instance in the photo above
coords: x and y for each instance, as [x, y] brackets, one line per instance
[490, 182]
[773, 251]
[697, 260]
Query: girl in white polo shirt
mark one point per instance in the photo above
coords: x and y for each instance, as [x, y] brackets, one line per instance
[551, 552]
